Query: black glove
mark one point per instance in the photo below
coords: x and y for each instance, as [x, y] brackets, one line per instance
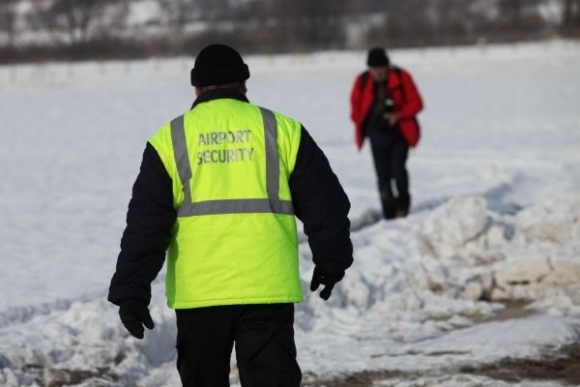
[328, 280]
[134, 314]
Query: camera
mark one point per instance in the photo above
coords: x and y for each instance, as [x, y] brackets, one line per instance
[389, 105]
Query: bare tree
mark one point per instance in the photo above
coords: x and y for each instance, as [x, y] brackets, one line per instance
[406, 23]
[510, 13]
[176, 12]
[454, 21]
[303, 24]
[70, 21]
[116, 15]
[571, 17]
[8, 19]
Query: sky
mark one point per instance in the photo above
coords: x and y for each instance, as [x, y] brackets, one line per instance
[495, 216]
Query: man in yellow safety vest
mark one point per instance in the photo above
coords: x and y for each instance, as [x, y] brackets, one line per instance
[218, 194]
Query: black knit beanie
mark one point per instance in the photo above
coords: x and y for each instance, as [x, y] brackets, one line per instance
[218, 64]
[377, 57]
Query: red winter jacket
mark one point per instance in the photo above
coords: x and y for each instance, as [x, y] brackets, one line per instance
[408, 103]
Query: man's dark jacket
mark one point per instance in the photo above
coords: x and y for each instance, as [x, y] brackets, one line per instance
[318, 198]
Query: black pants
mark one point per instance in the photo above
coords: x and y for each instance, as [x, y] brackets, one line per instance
[264, 340]
[390, 161]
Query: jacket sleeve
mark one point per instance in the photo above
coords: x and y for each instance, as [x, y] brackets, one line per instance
[413, 101]
[150, 220]
[322, 205]
[355, 100]
[356, 109]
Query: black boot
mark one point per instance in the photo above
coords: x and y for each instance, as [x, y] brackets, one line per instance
[388, 202]
[403, 204]
[389, 209]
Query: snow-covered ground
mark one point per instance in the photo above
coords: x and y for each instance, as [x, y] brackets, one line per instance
[496, 216]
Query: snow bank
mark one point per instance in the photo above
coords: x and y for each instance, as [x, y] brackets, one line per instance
[397, 295]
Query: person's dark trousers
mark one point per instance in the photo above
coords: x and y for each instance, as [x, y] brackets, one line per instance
[390, 161]
[264, 340]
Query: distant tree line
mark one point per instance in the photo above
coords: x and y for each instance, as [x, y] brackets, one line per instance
[104, 29]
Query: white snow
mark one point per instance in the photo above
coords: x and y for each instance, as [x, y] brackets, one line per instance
[495, 217]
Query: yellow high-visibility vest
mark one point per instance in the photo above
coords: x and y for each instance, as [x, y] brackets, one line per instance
[235, 239]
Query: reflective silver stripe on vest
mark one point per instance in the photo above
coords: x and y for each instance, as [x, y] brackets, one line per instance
[272, 204]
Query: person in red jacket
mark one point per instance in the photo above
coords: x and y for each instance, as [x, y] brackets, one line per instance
[384, 105]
